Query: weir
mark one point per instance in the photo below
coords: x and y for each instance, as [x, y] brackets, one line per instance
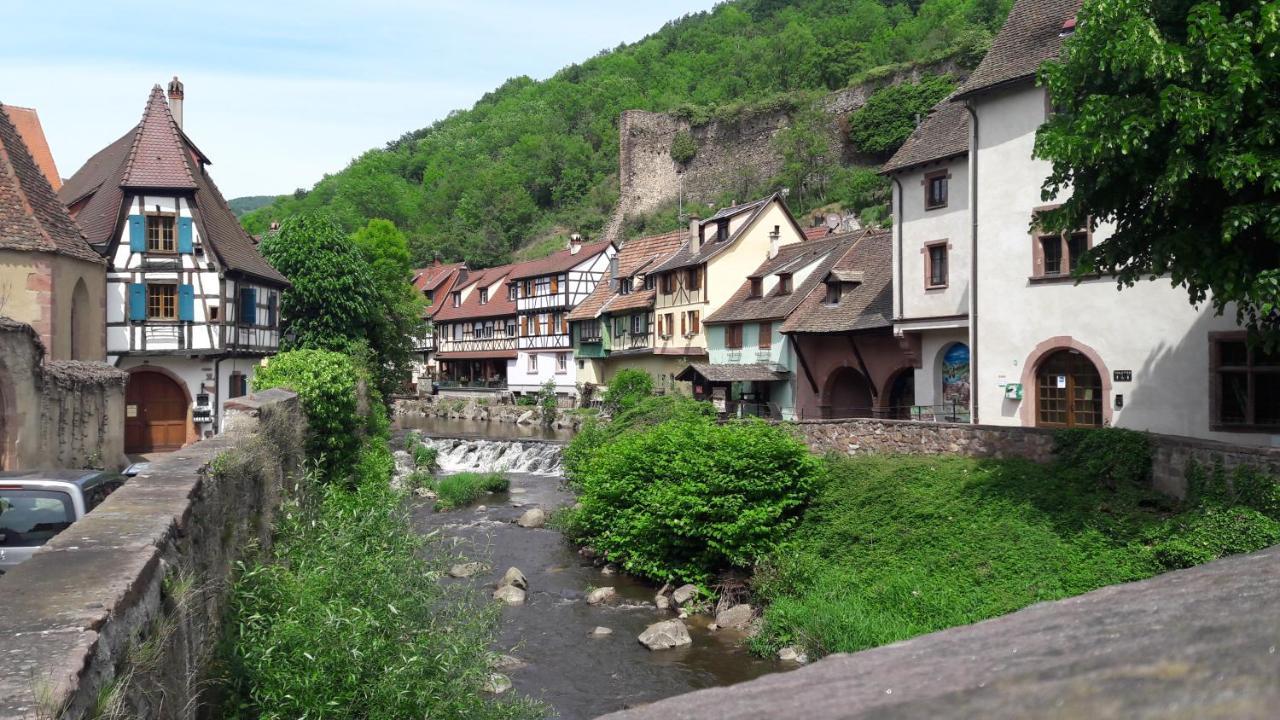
[514, 456]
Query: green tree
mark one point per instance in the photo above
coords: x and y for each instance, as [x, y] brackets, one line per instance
[1167, 126]
[401, 308]
[808, 156]
[892, 113]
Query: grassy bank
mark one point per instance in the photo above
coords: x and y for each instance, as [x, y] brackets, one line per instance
[893, 547]
[454, 491]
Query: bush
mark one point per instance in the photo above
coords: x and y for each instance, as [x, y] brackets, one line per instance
[688, 497]
[683, 148]
[327, 384]
[424, 457]
[1113, 456]
[627, 388]
[1209, 533]
[646, 412]
[454, 491]
[889, 117]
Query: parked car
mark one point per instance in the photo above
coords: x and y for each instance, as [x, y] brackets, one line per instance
[35, 505]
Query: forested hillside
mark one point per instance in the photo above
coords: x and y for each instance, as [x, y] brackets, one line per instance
[534, 156]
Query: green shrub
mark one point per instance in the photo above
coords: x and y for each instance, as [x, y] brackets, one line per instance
[888, 118]
[688, 497]
[683, 147]
[424, 457]
[646, 412]
[1208, 533]
[1113, 456]
[327, 385]
[526, 400]
[627, 388]
[454, 491]
[418, 479]
[549, 403]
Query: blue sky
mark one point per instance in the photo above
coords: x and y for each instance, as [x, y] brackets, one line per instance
[279, 93]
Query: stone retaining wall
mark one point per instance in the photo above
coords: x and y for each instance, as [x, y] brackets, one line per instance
[119, 615]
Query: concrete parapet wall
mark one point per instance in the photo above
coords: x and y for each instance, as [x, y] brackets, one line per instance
[119, 615]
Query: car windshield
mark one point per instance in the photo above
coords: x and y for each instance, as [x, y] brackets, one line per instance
[31, 517]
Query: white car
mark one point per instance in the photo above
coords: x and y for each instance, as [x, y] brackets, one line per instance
[35, 505]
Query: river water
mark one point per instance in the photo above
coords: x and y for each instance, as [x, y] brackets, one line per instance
[577, 674]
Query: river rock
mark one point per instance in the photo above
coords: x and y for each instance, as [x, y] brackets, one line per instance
[506, 662]
[515, 578]
[587, 552]
[684, 594]
[662, 602]
[609, 569]
[600, 595]
[601, 631]
[665, 635]
[525, 419]
[509, 594]
[791, 653]
[481, 508]
[735, 617]
[532, 518]
[497, 683]
[466, 570]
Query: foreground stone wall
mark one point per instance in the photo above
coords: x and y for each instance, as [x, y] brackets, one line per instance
[120, 615]
[1171, 458]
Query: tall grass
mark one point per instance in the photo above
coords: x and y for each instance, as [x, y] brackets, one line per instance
[454, 491]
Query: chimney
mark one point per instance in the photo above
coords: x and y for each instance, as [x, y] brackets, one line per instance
[436, 261]
[695, 233]
[575, 243]
[773, 241]
[175, 100]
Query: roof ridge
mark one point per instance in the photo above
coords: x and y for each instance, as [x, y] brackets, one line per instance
[159, 133]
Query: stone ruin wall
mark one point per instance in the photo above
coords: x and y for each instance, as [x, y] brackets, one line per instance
[732, 153]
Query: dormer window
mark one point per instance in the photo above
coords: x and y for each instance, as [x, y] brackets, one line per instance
[484, 296]
[456, 295]
[624, 286]
[784, 283]
[648, 282]
[757, 287]
[722, 230]
[512, 289]
[834, 291]
[161, 236]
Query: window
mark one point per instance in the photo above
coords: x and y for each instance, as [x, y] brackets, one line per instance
[693, 279]
[833, 293]
[1051, 251]
[589, 331]
[512, 290]
[484, 296]
[1077, 244]
[766, 336]
[733, 336]
[667, 326]
[689, 323]
[648, 282]
[543, 286]
[668, 283]
[562, 363]
[162, 301]
[620, 326]
[478, 330]
[757, 287]
[1246, 384]
[160, 234]
[238, 385]
[273, 310]
[1059, 255]
[935, 271]
[624, 286]
[935, 190]
[533, 363]
[640, 324]
[722, 230]
[784, 283]
[213, 313]
[457, 297]
[511, 327]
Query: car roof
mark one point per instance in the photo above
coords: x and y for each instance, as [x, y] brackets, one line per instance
[83, 478]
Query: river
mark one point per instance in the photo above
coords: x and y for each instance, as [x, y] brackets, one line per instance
[576, 673]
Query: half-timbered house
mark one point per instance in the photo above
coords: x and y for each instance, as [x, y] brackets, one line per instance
[475, 331]
[546, 290]
[435, 283]
[192, 307]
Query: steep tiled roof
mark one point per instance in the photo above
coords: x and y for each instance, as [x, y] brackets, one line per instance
[1031, 34]
[27, 121]
[636, 255]
[773, 306]
[430, 278]
[733, 372]
[867, 306]
[817, 232]
[158, 158]
[499, 302]
[146, 154]
[558, 261]
[685, 257]
[31, 216]
[943, 134]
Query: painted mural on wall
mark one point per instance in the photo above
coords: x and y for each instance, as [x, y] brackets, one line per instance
[955, 375]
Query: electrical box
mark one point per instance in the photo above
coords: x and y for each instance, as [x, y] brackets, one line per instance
[1013, 391]
[202, 410]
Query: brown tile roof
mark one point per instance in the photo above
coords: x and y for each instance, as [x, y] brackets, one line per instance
[430, 278]
[499, 301]
[636, 255]
[733, 373]
[773, 306]
[558, 261]
[31, 216]
[1031, 34]
[943, 134]
[817, 232]
[685, 257]
[631, 301]
[96, 191]
[868, 306]
[28, 123]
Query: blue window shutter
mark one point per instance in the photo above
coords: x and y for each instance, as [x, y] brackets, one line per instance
[184, 235]
[249, 306]
[186, 303]
[137, 302]
[137, 233]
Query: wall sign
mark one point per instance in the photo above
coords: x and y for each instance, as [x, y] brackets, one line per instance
[1122, 376]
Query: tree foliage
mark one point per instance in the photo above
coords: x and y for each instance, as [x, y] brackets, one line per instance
[892, 113]
[1167, 126]
[531, 155]
[401, 306]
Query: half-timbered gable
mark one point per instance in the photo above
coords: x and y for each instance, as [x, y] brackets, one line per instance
[475, 330]
[190, 301]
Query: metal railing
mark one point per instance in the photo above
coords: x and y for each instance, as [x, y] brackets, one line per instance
[955, 412]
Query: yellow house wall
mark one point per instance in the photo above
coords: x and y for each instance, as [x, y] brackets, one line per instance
[16, 301]
[92, 342]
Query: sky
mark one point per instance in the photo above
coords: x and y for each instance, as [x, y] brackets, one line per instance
[279, 92]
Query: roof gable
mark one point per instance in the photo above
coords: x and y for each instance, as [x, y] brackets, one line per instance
[638, 255]
[707, 249]
[821, 254]
[1032, 33]
[868, 262]
[27, 121]
[943, 134]
[498, 303]
[159, 158]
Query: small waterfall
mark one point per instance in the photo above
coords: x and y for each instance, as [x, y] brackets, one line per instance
[456, 455]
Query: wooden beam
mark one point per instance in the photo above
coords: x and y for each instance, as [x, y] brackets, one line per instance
[865, 372]
[795, 342]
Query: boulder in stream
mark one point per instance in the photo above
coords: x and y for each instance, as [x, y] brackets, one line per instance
[601, 631]
[601, 595]
[515, 578]
[684, 594]
[532, 518]
[526, 418]
[737, 616]
[662, 602]
[791, 653]
[466, 570]
[497, 683]
[506, 662]
[509, 594]
[665, 635]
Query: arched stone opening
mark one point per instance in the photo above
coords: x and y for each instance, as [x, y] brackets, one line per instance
[1065, 384]
[847, 394]
[157, 411]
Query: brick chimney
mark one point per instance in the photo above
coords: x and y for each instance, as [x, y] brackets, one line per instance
[175, 100]
[695, 234]
[575, 243]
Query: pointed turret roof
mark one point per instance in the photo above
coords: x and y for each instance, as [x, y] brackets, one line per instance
[158, 158]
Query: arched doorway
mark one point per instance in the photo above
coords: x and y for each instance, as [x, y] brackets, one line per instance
[82, 326]
[902, 395]
[847, 394]
[1068, 391]
[155, 413]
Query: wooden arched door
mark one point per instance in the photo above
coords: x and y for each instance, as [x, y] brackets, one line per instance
[155, 413]
[1068, 391]
[847, 394]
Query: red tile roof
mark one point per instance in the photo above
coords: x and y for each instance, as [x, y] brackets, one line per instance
[28, 123]
[499, 303]
[636, 255]
[817, 232]
[429, 278]
[1032, 33]
[773, 305]
[943, 134]
[158, 158]
[31, 216]
[558, 261]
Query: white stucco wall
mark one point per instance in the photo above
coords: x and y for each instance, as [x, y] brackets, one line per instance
[519, 379]
[917, 227]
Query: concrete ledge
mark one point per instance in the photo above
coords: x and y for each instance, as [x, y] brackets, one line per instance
[74, 613]
[1197, 643]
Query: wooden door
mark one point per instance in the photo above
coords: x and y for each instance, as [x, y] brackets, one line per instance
[1068, 391]
[155, 414]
